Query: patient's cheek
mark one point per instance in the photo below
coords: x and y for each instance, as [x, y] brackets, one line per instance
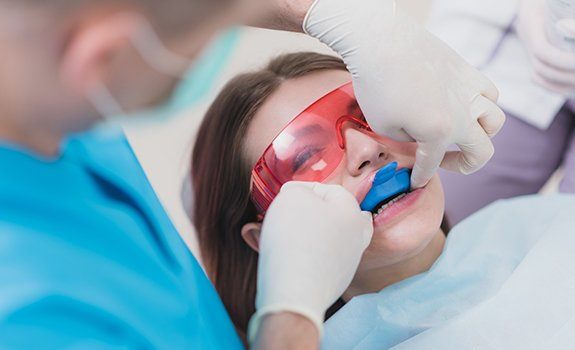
[337, 176]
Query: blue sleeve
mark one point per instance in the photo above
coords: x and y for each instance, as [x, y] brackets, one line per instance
[49, 302]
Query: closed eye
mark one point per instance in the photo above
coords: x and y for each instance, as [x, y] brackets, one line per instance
[303, 157]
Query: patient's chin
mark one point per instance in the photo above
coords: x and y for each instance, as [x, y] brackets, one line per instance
[402, 241]
[408, 235]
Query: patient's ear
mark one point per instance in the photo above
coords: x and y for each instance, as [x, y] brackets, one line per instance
[251, 235]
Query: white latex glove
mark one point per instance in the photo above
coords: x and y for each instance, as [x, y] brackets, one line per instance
[553, 67]
[411, 85]
[313, 238]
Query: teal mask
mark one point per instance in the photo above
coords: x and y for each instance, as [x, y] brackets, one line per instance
[193, 85]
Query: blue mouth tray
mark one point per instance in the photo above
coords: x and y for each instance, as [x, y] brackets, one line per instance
[388, 182]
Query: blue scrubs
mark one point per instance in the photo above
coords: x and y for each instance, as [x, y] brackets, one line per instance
[90, 260]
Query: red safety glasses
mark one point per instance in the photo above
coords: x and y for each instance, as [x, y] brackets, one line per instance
[309, 148]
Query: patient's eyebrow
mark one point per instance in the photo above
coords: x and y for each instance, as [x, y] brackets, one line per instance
[310, 129]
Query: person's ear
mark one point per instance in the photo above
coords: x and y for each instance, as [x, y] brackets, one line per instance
[251, 235]
[92, 46]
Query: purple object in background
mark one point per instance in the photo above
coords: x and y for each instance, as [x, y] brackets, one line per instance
[525, 158]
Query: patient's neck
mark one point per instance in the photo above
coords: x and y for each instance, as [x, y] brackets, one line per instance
[375, 280]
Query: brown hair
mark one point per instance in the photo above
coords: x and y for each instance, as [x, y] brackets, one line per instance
[221, 177]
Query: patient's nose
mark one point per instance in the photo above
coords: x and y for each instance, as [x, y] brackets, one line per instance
[364, 153]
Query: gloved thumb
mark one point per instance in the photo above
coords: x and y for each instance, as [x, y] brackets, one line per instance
[428, 158]
[367, 233]
[398, 135]
[566, 28]
[329, 193]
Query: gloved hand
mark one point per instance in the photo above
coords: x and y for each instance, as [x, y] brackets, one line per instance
[411, 85]
[554, 68]
[313, 238]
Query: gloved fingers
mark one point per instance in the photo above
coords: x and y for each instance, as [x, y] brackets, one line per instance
[397, 134]
[532, 31]
[474, 153]
[487, 88]
[566, 28]
[548, 53]
[338, 197]
[313, 189]
[488, 114]
[367, 233]
[336, 194]
[566, 90]
[428, 157]
[562, 61]
[297, 187]
[553, 74]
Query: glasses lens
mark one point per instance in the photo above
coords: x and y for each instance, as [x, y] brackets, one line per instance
[310, 148]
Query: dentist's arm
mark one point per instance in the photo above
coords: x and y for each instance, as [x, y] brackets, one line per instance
[410, 84]
[313, 238]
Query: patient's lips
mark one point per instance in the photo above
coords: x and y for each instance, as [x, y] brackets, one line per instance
[364, 187]
[388, 194]
[399, 208]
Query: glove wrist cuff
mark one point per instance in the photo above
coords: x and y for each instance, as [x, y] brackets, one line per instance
[256, 321]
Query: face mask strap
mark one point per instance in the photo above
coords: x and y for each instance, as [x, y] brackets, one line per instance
[103, 101]
[153, 51]
[156, 54]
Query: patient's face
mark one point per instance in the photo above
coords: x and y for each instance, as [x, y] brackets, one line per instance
[402, 230]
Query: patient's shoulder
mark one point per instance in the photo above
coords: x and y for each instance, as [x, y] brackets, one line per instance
[526, 210]
[537, 203]
[514, 224]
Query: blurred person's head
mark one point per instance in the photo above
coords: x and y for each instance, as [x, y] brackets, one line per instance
[64, 60]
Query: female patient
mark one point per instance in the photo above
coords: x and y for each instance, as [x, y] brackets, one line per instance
[408, 263]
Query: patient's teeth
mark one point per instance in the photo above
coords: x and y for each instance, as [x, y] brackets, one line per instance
[385, 206]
